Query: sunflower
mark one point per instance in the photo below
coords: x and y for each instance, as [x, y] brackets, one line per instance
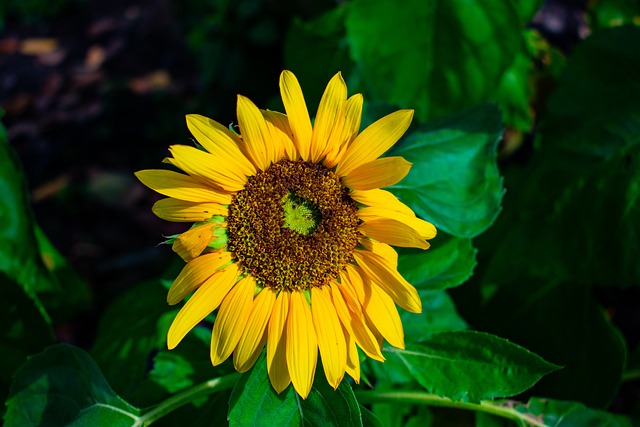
[291, 235]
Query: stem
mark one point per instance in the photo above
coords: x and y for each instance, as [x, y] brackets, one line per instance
[631, 375]
[419, 397]
[174, 402]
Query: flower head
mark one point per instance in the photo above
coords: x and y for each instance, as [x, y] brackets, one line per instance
[291, 235]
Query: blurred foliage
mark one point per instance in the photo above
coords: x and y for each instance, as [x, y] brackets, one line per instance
[525, 159]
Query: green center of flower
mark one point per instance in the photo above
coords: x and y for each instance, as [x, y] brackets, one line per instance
[299, 214]
[293, 226]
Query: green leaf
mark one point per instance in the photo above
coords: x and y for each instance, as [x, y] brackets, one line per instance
[131, 330]
[62, 386]
[255, 402]
[330, 53]
[471, 366]
[24, 330]
[513, 92]
[454, 181]
[19, 256]
[557, 413]
[614, 13]
[449, 262]
[73, 294]
[426, 55]
[564, 324]
[438, 315]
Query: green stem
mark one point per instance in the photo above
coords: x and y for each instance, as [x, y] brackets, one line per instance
[174, 402]
[631, 375]
[423, 398]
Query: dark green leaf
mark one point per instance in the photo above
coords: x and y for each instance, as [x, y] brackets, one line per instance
[557, 413]
[613, 13]
[564, 324]
[24, 330]
[438, 315]
[471, 366]
[19, 256]
[426, 55]
[62, 386]
[369, 419]
[254, 402]
[73, 293]
[454, 181]
[449, 262]
[526, 9]
[513, 92]
[130, 332]
[315, 66]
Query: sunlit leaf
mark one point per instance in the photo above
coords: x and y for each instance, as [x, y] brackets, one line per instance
[454, 181]
[448, 263]
[471, 366]
[19, 256]
[254, 402]
[425, 54]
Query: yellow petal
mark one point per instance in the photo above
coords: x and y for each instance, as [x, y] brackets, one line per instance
[195, 273]
[381, 199]
[259, 145]
[231, 320]
[180, 211]
[181, 186]
[385, 251]
[396, 228]
[302, 345]
[191, 243]
[280, 130]
[213, 169]
[377, 173]
[382, 312]
[249, 347]
[375, 141]
[276, 344]
[206, 299]
[331, 342]
[218, 139]
[353, 360]
[297, 112]
[329, 117]
[389, 280]
[343, 137]
[351, 283]
[354, 324]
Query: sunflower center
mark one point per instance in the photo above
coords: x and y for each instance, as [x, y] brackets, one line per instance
[299, 214]
[293, 226]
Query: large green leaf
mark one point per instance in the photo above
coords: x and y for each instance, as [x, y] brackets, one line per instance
[255, 402]
[438, 315]
[471, 366]
[448, 263]
[557, 413]
[62, 386]
[454, 181]
[435, 56]
[19, 256]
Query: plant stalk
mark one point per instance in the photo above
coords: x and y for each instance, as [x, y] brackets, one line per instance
[423, 398]
[174, 402]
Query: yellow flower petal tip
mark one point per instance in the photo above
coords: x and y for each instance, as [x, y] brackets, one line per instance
[291, 233]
